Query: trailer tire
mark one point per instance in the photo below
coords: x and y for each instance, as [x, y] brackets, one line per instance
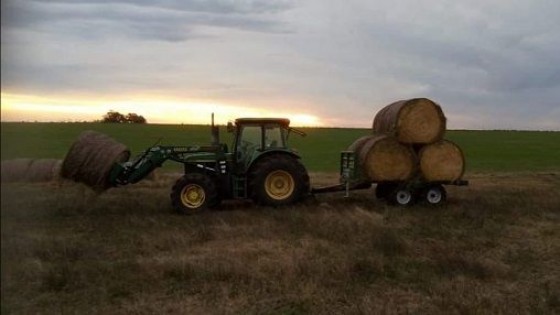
[278, 180]
[193, 193]
[402, 196]
[434, 195]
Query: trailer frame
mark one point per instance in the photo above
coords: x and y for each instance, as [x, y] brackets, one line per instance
[402, 193]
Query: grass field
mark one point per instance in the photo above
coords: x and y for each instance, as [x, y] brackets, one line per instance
[503, 151]
[493, 248]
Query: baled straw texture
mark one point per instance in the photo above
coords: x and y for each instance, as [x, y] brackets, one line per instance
[414, 121]
[31, 170]
[43, 170]
[15, 170]
[442, 161]
[91, 158]
[383, 158]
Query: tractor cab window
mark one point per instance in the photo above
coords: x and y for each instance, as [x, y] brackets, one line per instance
[273, 137]
[250, 140]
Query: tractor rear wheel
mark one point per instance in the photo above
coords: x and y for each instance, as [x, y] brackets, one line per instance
[278, 180]
[193, 193]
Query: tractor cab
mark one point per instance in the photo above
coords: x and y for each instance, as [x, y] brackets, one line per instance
[257, 136]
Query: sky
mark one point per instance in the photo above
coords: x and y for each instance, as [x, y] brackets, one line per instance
[490, 64]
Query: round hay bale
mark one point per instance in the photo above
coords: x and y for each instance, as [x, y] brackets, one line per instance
[41, 170]
[383, 158]
[14, 170]
[442, 161]
[91, 158]
[357, 145]
[417, 120]
[56, 170]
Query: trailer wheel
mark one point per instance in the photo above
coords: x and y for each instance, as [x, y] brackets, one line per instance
[435, 195]
[193, 193]
[278, 180]
[402, 197]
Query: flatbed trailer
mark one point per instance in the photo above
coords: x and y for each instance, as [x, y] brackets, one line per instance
[402, 193]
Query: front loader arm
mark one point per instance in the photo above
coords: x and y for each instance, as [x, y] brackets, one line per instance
[138, 168]
[141, 166]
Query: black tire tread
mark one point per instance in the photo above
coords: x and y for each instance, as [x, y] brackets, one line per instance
[392, 198]
[275, 162]
[203, 180]
[443, 197]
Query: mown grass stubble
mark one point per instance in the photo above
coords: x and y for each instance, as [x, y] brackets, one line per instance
[492, 248]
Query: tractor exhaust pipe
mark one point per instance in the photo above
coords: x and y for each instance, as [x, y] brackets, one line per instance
[215, 132]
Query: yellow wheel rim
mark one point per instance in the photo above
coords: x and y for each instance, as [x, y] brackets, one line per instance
[193, 196]
[279, 185]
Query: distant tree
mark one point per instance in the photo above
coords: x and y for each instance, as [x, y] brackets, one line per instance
[114, 117]
[134, 118]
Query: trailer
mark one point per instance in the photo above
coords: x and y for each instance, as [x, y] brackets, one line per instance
[402, 193]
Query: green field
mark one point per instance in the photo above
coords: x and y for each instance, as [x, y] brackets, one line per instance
[486, 151]
[492, 248]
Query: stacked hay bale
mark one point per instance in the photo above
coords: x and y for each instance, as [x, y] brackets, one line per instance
[441, 161]
[408, 141]
[383, 158]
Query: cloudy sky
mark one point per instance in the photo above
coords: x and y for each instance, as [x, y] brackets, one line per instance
[491, 64]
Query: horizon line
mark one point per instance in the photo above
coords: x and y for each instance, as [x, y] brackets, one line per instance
[217, 124]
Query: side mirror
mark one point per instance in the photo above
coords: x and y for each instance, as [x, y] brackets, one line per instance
[230, 127]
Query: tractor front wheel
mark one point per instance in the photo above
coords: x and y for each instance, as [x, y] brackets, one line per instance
[193, 193]
[278, 180]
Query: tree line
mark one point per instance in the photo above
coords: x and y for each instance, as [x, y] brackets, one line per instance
[130, 118]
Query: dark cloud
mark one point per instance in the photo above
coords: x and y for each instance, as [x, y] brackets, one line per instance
[215, 6]
[491, 63]
[151, 20]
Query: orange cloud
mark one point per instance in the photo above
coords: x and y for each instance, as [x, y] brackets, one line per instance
[17, 107]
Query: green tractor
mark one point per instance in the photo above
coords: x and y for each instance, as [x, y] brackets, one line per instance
[260, 166]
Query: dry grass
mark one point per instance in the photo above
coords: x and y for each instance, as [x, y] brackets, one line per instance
[493, 249]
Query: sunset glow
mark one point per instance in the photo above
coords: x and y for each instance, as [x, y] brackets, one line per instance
[31, 108]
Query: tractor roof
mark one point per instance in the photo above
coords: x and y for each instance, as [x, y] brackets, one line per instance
[285, 122]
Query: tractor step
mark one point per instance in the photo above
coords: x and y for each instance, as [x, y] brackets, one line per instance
[239, 187]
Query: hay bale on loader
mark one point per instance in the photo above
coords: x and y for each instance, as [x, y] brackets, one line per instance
[91, 158]
[414, 121]
[383, 158]
[442, 161]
